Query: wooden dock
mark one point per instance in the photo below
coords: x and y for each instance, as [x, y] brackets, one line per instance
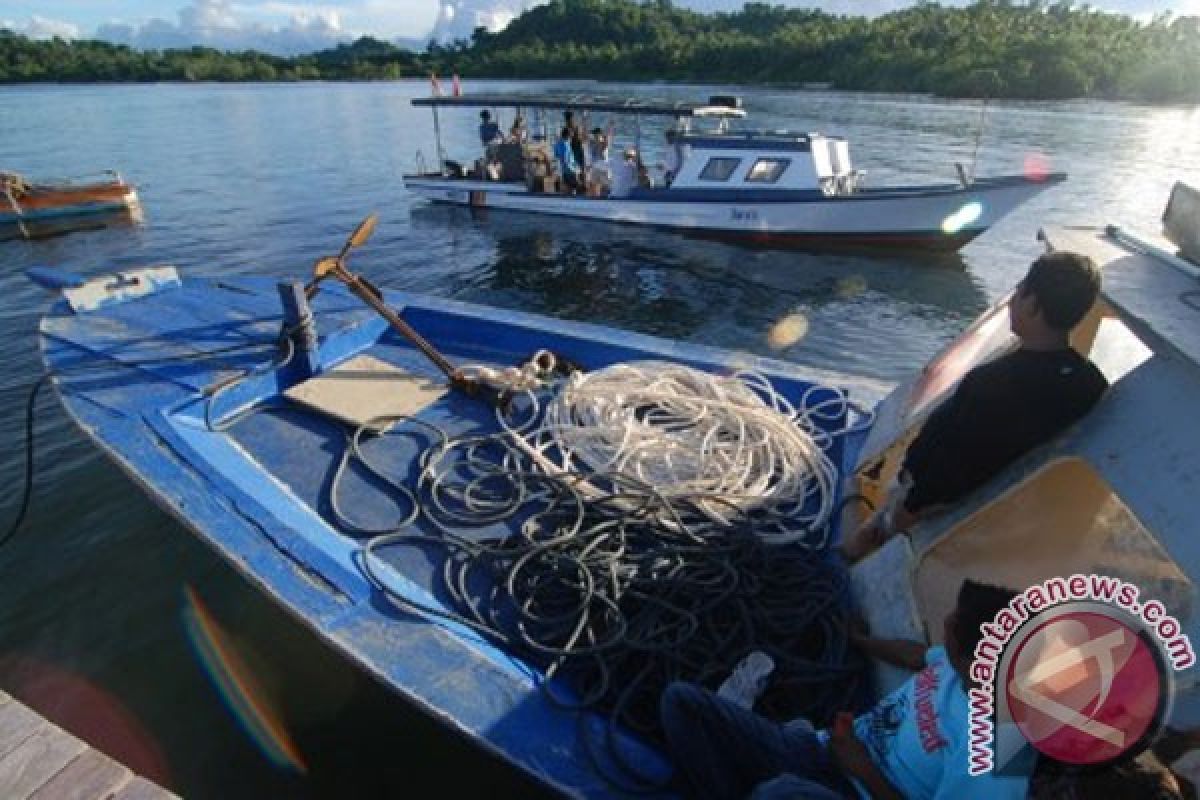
[41, 761]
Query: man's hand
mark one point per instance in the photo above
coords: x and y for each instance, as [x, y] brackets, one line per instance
[848, 750]
[852, 757]
[870, 536]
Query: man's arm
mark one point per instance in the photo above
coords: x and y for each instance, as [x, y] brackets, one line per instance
[851, 756]
[899, 652]
[933, 460]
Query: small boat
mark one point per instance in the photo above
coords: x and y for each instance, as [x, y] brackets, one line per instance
[767, 187]
[304, 432]
[23, 202]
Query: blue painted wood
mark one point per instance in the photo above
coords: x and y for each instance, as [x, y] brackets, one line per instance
[54, 278]
[134, 377]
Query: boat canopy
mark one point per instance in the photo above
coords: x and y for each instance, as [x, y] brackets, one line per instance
[717, 107]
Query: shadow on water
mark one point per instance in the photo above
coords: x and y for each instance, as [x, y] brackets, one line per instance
[672, 285]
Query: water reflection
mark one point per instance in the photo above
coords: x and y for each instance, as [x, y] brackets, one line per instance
[61, 226]
[672, 285]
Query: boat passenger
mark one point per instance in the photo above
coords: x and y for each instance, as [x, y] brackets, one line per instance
[518, 132]
[578, 138]
[489, 131]
[673, 159]
[913, 744]
[599, 172]
[1001, 409]
[624, 174]
[568, 167]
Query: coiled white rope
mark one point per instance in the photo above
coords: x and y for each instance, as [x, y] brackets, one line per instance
[728, 445]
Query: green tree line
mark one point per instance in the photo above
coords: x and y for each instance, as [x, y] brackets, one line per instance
[24, 60]
[997, 48]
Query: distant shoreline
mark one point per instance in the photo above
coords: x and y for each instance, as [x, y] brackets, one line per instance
[571, 79]
[988, 49]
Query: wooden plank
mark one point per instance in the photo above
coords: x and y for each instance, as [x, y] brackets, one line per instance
[36, 760]
[141, 789]
[91, 775]
[17, 723]
[364, 389]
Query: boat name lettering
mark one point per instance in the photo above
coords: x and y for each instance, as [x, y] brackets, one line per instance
[743, 214]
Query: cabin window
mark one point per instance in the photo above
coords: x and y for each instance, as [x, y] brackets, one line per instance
[1063, 519]
[767, 170]
[719, 169]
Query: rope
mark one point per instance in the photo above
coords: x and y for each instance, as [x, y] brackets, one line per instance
[25, 495]
[618, 570]
[9, 185]
[728, 445]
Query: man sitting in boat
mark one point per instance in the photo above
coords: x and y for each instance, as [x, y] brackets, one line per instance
[568, 167]
[912, 744]
[1002, 409]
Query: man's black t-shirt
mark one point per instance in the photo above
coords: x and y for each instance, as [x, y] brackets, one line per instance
[1000, 411]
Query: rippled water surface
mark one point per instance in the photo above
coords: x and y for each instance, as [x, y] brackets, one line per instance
[263, 179]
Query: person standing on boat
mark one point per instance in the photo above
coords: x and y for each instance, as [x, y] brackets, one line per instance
[599, 172]
[913, 744]
[568, 167]
[489, 131]
[518, 133]
[1003, 409]
[624, 174]
[673, 159]
[578, 142]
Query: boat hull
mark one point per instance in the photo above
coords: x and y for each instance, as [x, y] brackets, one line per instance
[49, 202]
[937, 218]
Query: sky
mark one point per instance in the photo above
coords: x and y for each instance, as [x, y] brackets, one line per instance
[287, 27]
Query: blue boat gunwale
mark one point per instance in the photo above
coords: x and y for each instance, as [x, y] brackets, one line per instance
[155, 440]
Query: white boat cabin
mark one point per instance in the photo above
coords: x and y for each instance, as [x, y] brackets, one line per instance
[771, 160]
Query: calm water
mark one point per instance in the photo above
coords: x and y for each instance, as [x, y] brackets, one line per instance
[264, 179]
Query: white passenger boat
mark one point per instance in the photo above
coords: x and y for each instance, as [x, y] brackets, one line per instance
[773, 187]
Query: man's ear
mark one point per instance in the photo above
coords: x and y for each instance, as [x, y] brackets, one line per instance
[1035, 307]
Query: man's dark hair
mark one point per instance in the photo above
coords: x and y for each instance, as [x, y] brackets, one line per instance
[1065, 286]
[566, 133]
[978, 603]
[485, 114]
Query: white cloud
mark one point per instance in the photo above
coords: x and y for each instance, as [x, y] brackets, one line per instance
[42, 28]
[287, 27]
[459, 19]
[223, 25]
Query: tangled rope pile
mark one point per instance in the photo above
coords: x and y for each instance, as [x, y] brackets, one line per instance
[725, 445]
[616, 567]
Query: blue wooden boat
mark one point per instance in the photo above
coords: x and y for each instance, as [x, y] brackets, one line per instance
[181, 383]
[160, 372]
